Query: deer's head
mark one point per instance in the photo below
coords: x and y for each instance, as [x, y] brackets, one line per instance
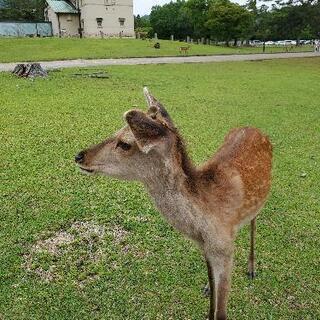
[137, 150]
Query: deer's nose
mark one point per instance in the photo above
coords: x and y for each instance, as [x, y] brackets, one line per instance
[79, 157]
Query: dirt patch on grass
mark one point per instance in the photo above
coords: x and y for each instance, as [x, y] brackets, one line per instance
[77, 252]
[119, 234]
[53, 244]
[81, 253]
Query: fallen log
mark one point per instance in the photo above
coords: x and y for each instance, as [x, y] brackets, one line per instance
[99, 75]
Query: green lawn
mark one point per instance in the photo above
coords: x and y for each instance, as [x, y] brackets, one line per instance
[26, 49]
[78, 247]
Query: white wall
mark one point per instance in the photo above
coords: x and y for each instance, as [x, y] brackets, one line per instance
[51, 16]
[93, 9]
[109, 10]
[69, 23]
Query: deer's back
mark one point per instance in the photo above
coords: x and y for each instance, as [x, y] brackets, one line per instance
[241, 170]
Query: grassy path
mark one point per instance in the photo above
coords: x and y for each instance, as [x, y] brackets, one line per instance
[163, 60]
[49, 49]
[75, 247]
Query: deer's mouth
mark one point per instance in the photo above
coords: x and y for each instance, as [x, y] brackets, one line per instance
[85, 170]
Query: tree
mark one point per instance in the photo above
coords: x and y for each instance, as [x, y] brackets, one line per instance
[171, 19]
[142, 26]
[296, 19]
[141, 22]
[224, 21]
[228, 21]
[197, 12]
[22, 10]
[263, 24]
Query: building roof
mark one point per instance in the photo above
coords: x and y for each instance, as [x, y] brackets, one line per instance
[61, 6]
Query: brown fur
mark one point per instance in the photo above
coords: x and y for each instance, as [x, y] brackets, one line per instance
[208, 203]
[184, 49]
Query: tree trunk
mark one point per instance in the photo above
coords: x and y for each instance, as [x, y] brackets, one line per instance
[29, 70]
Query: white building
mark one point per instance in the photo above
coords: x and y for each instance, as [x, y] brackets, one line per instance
[91, 18]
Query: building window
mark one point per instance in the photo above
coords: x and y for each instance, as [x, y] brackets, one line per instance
[122, 20]
[69, 17]
[109, 2]
[99, 22]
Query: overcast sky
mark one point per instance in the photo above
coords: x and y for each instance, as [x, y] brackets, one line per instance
[144, 6]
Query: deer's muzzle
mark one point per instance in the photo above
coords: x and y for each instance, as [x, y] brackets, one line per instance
[79, 158]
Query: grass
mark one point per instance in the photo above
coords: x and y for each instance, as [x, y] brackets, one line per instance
[112, 255]
[26, 49]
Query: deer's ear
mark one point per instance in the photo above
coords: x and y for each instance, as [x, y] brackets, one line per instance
[147, 132]
[156, 108]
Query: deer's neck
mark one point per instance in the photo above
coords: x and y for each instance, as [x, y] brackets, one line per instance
[171, 189]
[167, 183]
[175, 176]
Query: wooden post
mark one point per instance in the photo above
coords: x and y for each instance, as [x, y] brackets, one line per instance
[59, 26]
[79, 17]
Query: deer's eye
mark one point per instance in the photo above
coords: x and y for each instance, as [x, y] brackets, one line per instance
[124, 146]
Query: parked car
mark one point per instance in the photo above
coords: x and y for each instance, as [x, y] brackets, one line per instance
[286, 43]
[270, 43]
[256, 43]
[290, 42]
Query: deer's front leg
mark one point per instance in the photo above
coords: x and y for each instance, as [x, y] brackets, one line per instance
[211, 290]
[221, 261]
[222, 277]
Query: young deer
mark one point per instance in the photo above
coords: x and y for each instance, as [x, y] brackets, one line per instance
[184, 49]
[208, 203]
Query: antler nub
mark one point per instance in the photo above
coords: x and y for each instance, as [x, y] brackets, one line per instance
[156, 107]
[146, 91]
[149, 98]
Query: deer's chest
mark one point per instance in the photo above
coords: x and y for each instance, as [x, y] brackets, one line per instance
[182, 214]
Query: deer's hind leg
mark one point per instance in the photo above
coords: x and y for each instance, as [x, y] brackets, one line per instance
[251, 261]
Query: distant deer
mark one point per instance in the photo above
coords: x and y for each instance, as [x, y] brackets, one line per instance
[184, 49]
[208, 203]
